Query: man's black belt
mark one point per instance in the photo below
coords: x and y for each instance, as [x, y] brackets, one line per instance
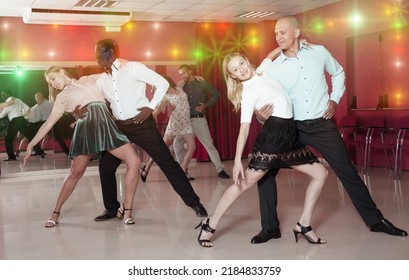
[128, 121]
[312, 122]
[197, 116]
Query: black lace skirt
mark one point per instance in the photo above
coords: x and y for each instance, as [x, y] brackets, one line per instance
[277, 146]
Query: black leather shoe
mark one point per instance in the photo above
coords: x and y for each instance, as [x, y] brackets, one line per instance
[265, 235]
[223, 175]
[41, 153]
[387, 227]
[200, 210]
[9, 159]
[105, 216]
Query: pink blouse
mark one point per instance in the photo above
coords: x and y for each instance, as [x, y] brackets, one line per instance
[78, 92]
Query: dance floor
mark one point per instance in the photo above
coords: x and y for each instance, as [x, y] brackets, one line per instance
[164, 226]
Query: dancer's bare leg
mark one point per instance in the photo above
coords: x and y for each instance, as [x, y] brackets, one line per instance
[148, 165]
[318, 174]
[78, 166]
[43, 142]
[22, 143]
[191, 147]
[229, 197]
[128, 155]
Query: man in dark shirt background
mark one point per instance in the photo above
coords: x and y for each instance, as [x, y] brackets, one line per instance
[200, 95]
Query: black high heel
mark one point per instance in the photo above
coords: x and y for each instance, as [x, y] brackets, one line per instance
[204, 226]
[121, 213]
[189, 177]
[305, 230]
[143, 177]
[18, 153]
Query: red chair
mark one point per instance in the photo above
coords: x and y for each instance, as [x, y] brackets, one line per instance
[348, 128]
[402, 142]
[379, 136]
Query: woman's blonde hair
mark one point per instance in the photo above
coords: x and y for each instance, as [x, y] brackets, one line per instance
[234, 86]
[53, 92]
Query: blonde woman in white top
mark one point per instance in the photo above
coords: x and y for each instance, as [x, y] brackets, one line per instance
[93, 134]
[276, 145]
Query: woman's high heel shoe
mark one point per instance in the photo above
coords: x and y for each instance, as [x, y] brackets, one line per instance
[189, 177]
[204, 226]
[51, 223]
[18, 153]
[304, 231]
[144, 173]
[121, 213]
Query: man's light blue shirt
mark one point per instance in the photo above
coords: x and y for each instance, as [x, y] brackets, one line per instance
[303, 77]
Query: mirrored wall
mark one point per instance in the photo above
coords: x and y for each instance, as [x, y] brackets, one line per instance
[24, 85]
[377, 68]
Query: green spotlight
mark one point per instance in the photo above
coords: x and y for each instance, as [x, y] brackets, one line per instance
[397, 24]
[19, 71]
[198, 54]
[3, 54]
[319, 28]
[254, 40]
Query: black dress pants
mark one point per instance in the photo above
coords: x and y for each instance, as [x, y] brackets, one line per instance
[16, 124]
[58, 132]
[324, 137]
[31, 131]
[146, 136]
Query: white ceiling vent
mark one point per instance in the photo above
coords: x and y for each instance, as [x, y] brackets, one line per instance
[96, 3]
[75, 17]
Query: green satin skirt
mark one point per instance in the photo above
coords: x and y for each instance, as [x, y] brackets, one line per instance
[96, 132]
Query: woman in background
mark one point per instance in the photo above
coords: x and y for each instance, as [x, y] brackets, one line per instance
[178, 125]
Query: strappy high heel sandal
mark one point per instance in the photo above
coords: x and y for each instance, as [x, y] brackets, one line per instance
[304, 231]
[144, 173]
[121, 213]
[204, 226]
[17, 153]
[51, 223]
[190, 178]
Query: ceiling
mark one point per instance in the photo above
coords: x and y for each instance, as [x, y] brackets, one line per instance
[175, 10]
